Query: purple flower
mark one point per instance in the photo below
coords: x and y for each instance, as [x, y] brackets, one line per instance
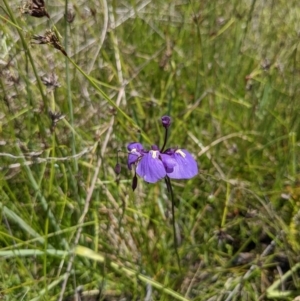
[185, 167]
[153, 165]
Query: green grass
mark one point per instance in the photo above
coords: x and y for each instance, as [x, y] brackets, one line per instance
[227, 72]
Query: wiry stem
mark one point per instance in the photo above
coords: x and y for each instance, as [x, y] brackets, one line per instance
[165, 140]
[170, 190]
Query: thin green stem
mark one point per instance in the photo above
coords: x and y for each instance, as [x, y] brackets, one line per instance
[226, 205]
[46, 231]
[52, 169]
[69, 94]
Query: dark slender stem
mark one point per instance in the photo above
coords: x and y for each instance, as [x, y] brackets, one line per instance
[170, 190]
[165, 140]
[118, 151]
[167, 183]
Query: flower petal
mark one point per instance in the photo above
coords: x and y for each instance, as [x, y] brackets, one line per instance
[132, 158]
[135, 152]
[169, 162]
[150, 167]
[186, 167]
[135, 145]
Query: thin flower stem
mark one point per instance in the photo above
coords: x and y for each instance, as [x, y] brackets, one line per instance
[165, 140]
[170, 190]
[69, 93]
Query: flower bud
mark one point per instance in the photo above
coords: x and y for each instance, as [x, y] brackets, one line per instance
[117, 168]
[166, 121]
[134, 182]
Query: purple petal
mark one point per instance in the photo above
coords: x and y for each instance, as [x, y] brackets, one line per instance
[150, 167]
[186, 166]
[135, 145]
[132, 158]
[169, 162]
[135, 152]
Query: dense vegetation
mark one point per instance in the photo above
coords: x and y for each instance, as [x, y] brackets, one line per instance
[79, 80]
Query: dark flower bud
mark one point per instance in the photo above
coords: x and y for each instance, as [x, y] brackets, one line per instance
[117, 168]
[166, 121]
[154, 147]
[134, 182]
